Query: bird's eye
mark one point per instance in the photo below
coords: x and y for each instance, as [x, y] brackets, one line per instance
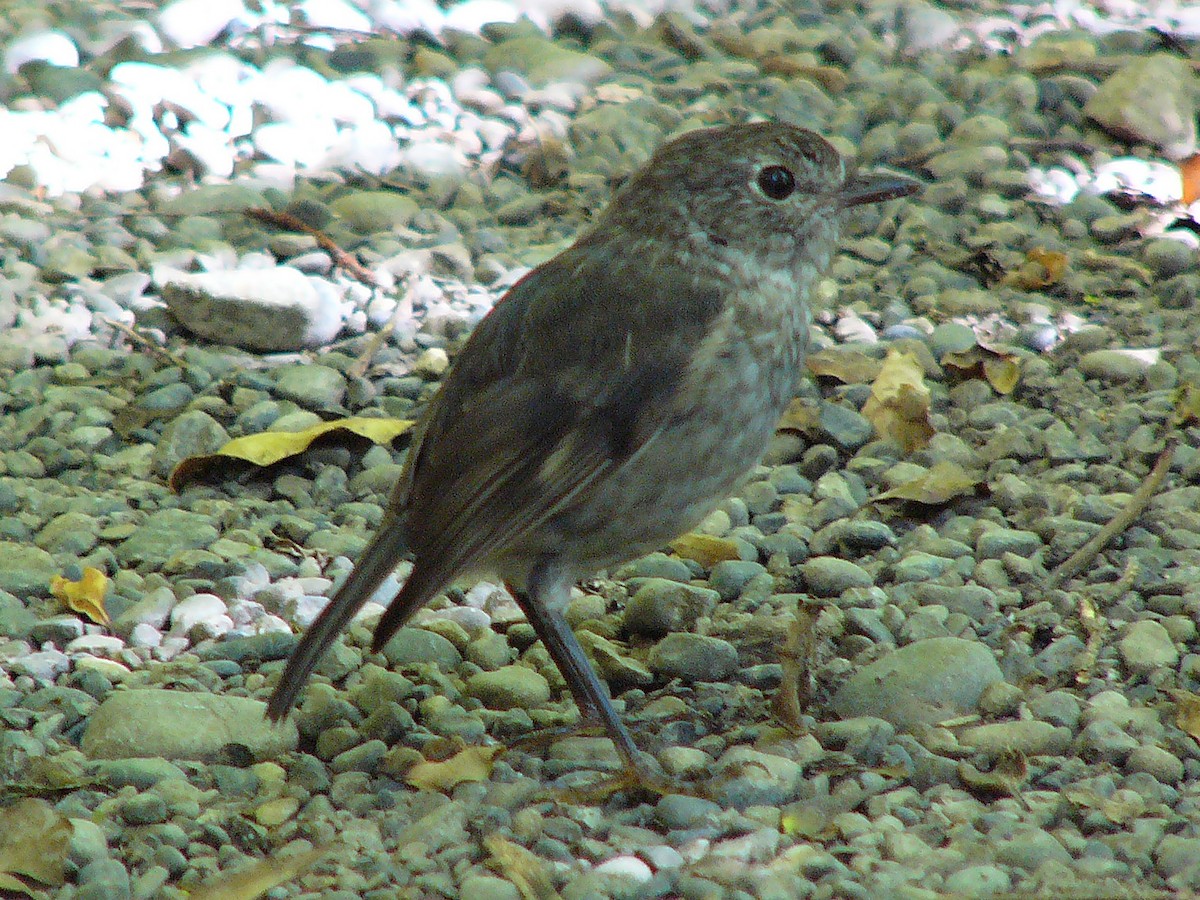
[776, 182]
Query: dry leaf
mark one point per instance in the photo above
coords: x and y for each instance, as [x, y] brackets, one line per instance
[801, 416]
[1041, 269]
[1187, 712]
[1006, 778]
[899, 403]
[258, 878]
[34, 842]
[85, 596]
[1189, 173]
[527, 872]
[847, 366]
[705, 548]
[1002, 370]
[471, 764]
[945, 481]
[273, 446]
[1187, 403]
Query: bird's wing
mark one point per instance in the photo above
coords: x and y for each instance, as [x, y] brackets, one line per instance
[568, 378]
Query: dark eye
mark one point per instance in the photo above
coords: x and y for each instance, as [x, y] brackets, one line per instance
[776, 182]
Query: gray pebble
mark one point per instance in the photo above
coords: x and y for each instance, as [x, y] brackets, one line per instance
[1147, 645]
[921, 683]
[730, 576]
[693, 658]
[660, 607]
[509, 687]
[829, 576]
[412, 646]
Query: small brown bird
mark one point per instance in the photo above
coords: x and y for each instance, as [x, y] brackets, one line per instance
[616, 394]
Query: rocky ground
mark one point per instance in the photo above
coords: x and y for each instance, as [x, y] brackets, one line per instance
[877, 671]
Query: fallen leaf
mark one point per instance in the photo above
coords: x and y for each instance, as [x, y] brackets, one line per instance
[1001, 370]
[271, 447]
[1006, 778]
[1041, 269]
[34, 843]
[527, 871]
[847, 366]
[1187, 712]
[899, 403]
[940, 484]
[471, 764]
[259, 877]
[85, 596]
[1187, 403]
[801, 416]
[705, 549]
[1189, 173]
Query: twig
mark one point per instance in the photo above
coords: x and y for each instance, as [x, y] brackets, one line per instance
[144, 341]
[1082, 557]
[288, 222]
[376, 340]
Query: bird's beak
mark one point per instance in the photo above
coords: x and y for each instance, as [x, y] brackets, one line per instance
[875, 187]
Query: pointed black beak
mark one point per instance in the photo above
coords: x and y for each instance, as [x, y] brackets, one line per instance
[875, 187]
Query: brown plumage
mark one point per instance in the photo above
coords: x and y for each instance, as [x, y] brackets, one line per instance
[617, 393]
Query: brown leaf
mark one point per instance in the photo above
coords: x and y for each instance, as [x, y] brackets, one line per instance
[941, 484]
[271, 447]
[1001, 370]
[1006, 778]
[705, 548]
[1187, 403]
[524, 869]
[847, 366]
[801, 416]
[85, 596]
[471, 764]
[1187, 712]
[899, 403]
[34, 842]
[1041, 269]
[1189, 172]
[259, 877]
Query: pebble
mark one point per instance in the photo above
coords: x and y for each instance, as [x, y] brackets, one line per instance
[922, 683]
[417, 163]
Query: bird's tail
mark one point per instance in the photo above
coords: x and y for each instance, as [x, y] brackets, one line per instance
[375, 564]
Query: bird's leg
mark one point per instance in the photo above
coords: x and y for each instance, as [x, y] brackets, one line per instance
[543, 601]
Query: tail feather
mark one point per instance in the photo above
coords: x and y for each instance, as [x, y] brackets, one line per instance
[375, 564]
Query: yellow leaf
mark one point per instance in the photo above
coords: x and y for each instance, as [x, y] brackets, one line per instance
[271, 447]
[471, 764]
[1041, 269]
[259, 877]
[1001, 370]
[34, 843]
[527, 871]
[801, 416]
[85, 596]
[1187, 712]
[847, 366]
[899, 403]
[945, 481]
[705, 549]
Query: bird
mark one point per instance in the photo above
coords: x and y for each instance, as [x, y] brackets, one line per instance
[615, 395]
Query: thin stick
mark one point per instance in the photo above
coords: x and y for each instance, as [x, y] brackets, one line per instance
[1082, 557]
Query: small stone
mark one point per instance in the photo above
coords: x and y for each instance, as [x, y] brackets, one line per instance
[693, 658]
[829, 576]
[1147, 645]
[922, 683]
[659, 607]
[510, 687]
[1113, 365]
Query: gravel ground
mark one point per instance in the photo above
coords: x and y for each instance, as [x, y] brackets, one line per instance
[859, 697]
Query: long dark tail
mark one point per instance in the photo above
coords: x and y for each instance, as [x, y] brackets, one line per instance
[376, 563]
